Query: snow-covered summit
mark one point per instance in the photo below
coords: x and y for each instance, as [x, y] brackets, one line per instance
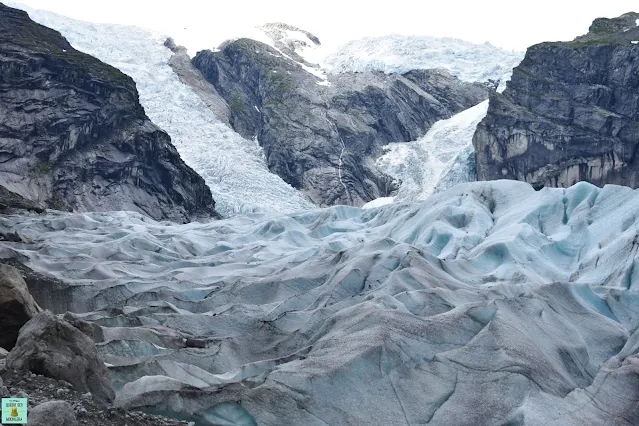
[293, 39]
[400, 54]
[390, 54]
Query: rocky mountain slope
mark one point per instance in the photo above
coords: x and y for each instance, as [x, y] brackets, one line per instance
[570, 112]
[74, 136]
[179, 100]
[490, 303]
[321, 133]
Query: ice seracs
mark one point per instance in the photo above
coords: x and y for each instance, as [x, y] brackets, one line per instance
[422, 164]
[400, 54]
[443, 158]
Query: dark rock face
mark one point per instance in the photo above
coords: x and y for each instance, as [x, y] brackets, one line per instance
[569, 113]
[54, 348]
[74, 135]
[323, 138]
[16, 305]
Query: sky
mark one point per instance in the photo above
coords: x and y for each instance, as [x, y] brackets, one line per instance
[200, 24]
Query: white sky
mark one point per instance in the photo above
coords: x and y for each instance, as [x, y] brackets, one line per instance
[200, 24]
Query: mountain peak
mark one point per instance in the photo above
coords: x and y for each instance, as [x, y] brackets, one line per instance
[299, 44]
[622, 23]
[285, 33]
[622, 29]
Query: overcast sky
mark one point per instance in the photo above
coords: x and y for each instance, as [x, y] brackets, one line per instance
[202, 24]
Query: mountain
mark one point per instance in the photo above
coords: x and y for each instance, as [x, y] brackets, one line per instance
[322, 133]
[74, 135]
[196, 116]
[570, 112]
[489, 303]
[232, 167]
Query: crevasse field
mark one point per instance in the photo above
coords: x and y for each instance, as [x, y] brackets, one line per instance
[400, 54]
[489, 303]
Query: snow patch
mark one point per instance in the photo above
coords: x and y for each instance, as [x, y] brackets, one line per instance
[302, 43]
[378, 202]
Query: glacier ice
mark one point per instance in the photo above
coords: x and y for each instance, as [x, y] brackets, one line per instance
[488, 303]
[439, 160]
[400, 54]
[233, 167]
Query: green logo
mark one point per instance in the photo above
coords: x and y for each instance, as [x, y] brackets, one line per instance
[14, 411]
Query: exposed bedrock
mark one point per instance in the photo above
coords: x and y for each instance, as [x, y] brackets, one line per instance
[570, 112]
[323, 135]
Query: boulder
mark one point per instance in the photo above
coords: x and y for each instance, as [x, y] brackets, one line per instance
[52, 347]
[52, 413]
[16, 305]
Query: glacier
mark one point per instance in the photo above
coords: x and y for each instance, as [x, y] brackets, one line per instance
[233, 167]
[486, 303]
[400, 54]
[489, 303]
[439, 160]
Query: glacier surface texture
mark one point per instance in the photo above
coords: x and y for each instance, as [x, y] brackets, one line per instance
[488, 304]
